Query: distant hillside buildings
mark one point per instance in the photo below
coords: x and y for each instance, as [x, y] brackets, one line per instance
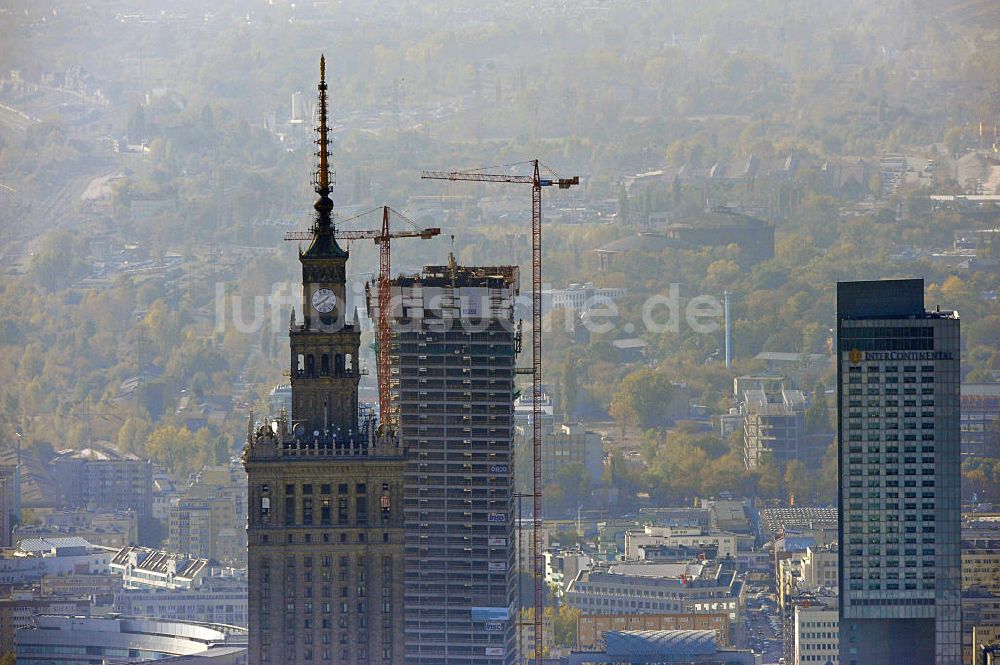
[104, 477]
[580, 297]
[208, 519]
[564, 445]
[980, 419]
[113, 529]
[717, 228]
[10, 498]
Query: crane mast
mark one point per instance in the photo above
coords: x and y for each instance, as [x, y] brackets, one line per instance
[536, 182]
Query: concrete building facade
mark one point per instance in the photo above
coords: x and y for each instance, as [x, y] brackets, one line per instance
[216, 600]
[80, 585]
[453, 354]
[564, 445]
[17, 610]
[10, 494]
[979, 609]
[196, 527]
[981, 419]
[819, 567]
[562, 567]
[145, 568]
[36, 557]
[898, 408]
[102, 476]
[645, 588]
[773, 425]
[817, 635]
[985, 643]
[725, 544]
[981, 562]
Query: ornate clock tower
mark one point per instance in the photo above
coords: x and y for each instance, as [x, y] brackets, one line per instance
[324, 486]
[324, 346]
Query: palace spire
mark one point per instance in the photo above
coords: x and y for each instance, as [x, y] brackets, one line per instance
[324, 243]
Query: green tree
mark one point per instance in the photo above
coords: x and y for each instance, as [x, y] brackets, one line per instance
[564, 625]
[725, 474]
[798, 482]
[59, 261]
[624, 216]
[642, 399]
[818, 413]
[769, 478]
[826, 482]
[570, 388]
[574, 479]
[136, 129]
[953, 141]
[220, 450]
[174, 448]
[132, 435]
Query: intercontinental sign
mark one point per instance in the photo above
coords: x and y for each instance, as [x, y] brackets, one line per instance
[856, 356]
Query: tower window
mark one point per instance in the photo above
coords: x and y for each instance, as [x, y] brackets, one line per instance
[361, 509]
[386, 505]
[310, 365]
[324, 364]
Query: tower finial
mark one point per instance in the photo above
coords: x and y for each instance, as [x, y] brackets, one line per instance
[324, 243]
[323, 172]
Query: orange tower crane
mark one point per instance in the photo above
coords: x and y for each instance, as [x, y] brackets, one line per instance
[382, 238]
[536, 182]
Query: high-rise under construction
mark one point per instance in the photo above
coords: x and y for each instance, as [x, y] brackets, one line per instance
[453, 348]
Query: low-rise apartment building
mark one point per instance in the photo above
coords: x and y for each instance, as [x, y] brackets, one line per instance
[658, 588]
[221, 600]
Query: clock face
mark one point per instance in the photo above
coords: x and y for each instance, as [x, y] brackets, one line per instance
[324, 300]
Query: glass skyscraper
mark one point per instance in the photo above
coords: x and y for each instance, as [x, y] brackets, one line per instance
[898, 377]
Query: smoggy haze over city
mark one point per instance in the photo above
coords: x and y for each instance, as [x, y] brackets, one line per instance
[462, 333]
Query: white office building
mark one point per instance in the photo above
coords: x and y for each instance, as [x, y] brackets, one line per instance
[817, 637]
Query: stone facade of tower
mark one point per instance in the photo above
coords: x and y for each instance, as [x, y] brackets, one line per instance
[325, 521]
